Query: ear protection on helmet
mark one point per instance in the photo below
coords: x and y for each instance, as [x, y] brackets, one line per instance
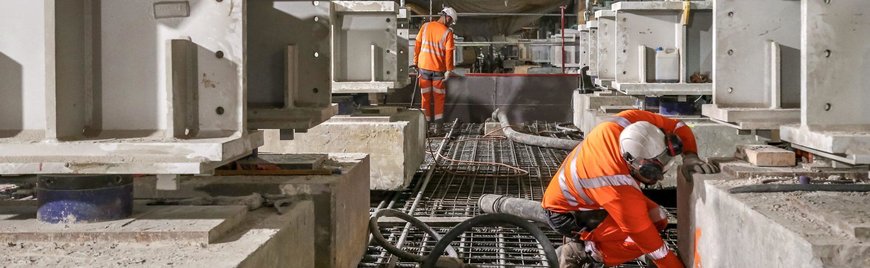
[650, 171]
[675, 144]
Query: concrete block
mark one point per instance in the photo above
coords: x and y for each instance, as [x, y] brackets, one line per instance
[766, 155]
[262, 238]
[341, 202]
[491, 128]
[585, 106]
[394, 142]
[719, 229]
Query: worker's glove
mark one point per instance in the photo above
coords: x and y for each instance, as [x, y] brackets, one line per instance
[693, 163]
[447, 75]
[413, 68]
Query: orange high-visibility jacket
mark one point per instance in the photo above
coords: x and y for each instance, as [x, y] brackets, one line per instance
[434, 47]
[595, 176]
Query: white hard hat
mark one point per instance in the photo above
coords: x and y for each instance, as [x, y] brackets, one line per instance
[450, 12]
[642, 140]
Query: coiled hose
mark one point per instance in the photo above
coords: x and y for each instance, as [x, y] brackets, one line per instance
[443, 244]
[529, 139]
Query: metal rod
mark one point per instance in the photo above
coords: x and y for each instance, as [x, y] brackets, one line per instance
[562, 9]
[422, 189]
[473, 14]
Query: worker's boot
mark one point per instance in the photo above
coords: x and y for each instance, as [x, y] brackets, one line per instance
[573, 255]
[438, 129]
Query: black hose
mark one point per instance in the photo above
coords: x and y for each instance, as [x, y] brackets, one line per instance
[523, 208]
[773, 188]
[489, 219]
[534, 140]
[379, 238]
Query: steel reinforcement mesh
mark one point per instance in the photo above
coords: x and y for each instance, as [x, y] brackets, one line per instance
[453, 190]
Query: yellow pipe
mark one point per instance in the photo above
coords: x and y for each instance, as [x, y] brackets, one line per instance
[687, 6]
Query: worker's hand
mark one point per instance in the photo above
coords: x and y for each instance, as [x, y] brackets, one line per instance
[447, 75]
[694, 164]
[413, 68]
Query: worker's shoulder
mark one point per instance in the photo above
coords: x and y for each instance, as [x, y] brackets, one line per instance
[434, 25]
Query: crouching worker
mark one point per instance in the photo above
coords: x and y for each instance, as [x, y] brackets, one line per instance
[595, 198]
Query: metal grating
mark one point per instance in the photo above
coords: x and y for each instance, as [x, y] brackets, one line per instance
[453, 191]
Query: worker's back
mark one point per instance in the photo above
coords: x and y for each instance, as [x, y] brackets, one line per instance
[597, 160]
[434, 47]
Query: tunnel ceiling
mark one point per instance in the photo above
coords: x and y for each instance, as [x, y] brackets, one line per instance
[492, 25]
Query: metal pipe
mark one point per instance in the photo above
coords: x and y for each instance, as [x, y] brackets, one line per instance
[535, 140]
[562, 8]
[523, 208]
[498, 15]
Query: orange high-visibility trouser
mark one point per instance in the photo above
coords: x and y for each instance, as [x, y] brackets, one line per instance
[614, 245]
[432, 88]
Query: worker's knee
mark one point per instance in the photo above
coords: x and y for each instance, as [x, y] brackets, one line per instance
[563, 223]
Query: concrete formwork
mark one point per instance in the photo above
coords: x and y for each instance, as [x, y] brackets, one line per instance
[756, 58]
[341, 202]
[606, 47]
[641, 27]
[394, 142]
[369, 46]
[798, 229]
[178, 236]
[834, 73]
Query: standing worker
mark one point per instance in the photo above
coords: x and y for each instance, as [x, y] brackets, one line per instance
[595, 199]
[433, 58]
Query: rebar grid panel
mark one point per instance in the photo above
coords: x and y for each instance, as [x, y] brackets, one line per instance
[483, 246]
[455, 187]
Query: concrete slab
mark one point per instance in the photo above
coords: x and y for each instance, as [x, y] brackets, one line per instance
[261, 238]
[195, 224]
[719, 229]
[394, 141]
[663, 89]
[850, 146]
[113, 155]
[341, 202]
[752, 118]
[744, 170]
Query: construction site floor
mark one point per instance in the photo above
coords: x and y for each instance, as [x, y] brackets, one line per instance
[473, 164]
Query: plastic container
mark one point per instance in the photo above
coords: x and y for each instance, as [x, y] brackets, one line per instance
[667, 65]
